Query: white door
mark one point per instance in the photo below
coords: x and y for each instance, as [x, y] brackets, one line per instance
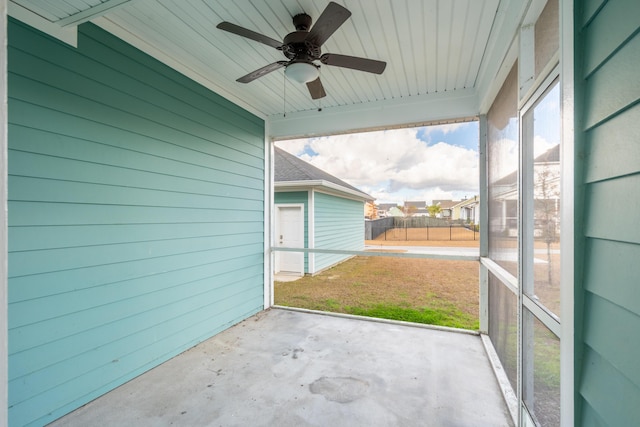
[289, 234]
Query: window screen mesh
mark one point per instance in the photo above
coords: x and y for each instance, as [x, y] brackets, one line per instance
[503, 161]
[503, 327]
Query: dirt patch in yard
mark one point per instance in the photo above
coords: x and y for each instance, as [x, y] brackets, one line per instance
[399, 286]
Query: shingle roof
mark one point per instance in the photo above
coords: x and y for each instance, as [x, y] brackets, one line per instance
[445, 203]
[552, 155]
[419, 205]
[288, 167]
[387, 206]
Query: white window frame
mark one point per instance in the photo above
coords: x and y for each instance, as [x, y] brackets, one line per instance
[525, 221]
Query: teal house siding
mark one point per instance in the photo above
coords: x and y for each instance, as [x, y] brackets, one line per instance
[339, 224]
[333, 209]
[136, 217]
[608, 378]
[297, 197]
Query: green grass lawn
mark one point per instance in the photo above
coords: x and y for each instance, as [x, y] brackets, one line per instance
[434, 292]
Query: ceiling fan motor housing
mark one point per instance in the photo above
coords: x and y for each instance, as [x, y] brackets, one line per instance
[295, 46]
[302, 22]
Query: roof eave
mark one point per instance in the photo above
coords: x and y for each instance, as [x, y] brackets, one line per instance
[322, 184]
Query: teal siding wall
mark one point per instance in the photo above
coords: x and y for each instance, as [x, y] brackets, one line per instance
[339, 224]
[608, 378]
[297, 197]
[135, 218]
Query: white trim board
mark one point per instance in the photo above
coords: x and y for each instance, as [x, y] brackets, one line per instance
[67, 35]
[4, 349]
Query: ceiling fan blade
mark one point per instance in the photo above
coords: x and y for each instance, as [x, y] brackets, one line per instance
[329, 21]
[240, 31]
[261, 72]
[316, 90]
[354, 62]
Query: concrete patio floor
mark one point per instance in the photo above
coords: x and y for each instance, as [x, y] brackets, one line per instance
[287, 368]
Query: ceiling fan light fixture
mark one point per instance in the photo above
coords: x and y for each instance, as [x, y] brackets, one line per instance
[302, 72]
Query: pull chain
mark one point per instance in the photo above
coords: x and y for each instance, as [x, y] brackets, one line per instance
[319, 99]
[284, 95]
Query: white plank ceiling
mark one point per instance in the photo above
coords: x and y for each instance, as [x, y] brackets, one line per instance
[434, 49]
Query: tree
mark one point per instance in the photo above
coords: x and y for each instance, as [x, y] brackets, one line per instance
[547, 210]
[434, 210]
[409, 211]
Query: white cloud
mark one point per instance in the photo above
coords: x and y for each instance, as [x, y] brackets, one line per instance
[505, 155]
[445, 129]
[393, 165]
[541, 145]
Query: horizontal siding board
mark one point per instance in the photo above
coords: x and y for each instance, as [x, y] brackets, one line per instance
[125, 152]
[608, 383]
[51, 260]
[28, 213]
[139, 109]
[607, 331]
[590, 418]
[113, 372]
[55, 237]
[70, 104]
[590, 9]
[147, 69]
[143, 73]
[31, 311]
[611, 395]
[95, 377]
[72, 325]
[601, 221]
[603, 38]
[609, 151]
[291, 197]
[37, 165]
[339, 224]
[108, 332]
[194, 108]
[621, 261]
[615, 86]
[39, 285]
[27, 189]
[136, 217]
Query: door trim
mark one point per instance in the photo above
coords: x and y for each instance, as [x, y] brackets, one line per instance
[278, 207]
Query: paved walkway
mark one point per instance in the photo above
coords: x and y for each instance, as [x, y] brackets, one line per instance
[432, 250]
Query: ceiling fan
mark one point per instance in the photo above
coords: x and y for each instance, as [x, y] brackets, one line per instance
[303, 46]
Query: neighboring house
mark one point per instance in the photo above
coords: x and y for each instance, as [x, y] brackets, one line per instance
[314, 209]
[370, 210]
[395, 211]
[504, 194]
[383, 209]
[416, 208]
[445, 208]
[467, 210]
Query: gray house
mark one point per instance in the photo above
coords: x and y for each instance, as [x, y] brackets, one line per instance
[137, 192]
[315, 210]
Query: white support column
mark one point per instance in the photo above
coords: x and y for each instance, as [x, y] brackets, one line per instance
[268, 218]
[484, 226]
[311, 230]
[3, 220]
[571, 245]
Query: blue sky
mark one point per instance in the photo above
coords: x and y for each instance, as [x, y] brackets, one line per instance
[464, 136]
[416, 164]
